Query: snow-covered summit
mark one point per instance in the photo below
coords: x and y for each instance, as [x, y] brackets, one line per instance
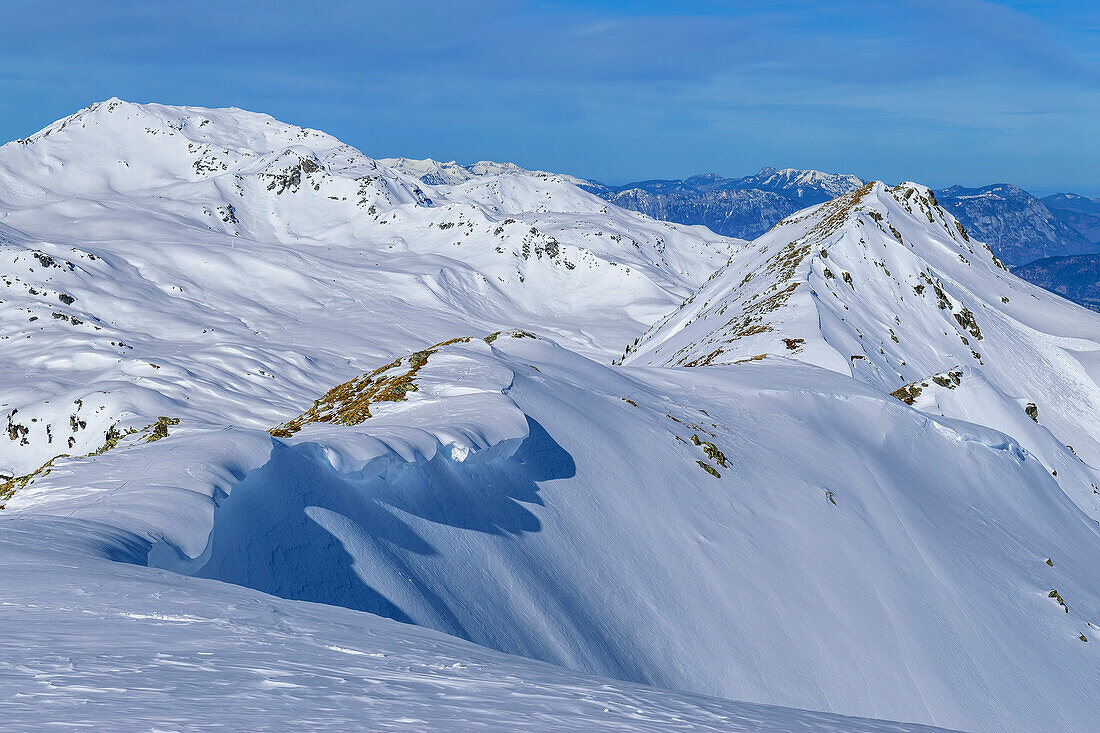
[114, 148]
[233, 127]
[821, 248]
[885, 285]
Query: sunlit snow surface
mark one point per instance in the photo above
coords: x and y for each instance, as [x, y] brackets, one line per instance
[779, 530]
[106, 645]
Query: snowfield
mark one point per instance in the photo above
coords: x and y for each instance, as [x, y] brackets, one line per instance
[93, 642]
[267, 397]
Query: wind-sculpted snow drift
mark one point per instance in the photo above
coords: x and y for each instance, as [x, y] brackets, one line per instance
[407, 407]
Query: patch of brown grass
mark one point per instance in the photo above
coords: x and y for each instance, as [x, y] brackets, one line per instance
[350, 403]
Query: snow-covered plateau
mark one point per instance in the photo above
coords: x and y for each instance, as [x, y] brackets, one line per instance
[299, 439]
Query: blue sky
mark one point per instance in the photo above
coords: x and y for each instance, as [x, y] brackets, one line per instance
[938, 91]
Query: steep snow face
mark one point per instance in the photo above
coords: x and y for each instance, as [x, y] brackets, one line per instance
[165, 261]
[673, 256]
[886, 286]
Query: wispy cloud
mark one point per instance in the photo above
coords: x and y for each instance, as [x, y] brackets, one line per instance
[609, 88]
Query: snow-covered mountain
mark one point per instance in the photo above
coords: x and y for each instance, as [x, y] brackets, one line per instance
[806, 186]
[148, 243]
[886, 286]
[738, 207]
[1018, 226]
[235, 350]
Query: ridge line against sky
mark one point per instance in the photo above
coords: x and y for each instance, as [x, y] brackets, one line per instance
[938, 91]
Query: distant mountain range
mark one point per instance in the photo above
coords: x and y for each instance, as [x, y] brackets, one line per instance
[1052, 236]
[1076, 277]
[736, 207]
[1019, 226]
[1080, 213]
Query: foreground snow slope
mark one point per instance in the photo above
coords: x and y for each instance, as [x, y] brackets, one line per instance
[93, 643]
[303, 397]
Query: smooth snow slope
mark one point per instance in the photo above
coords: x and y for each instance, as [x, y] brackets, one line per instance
[150, 650]
[774, 531]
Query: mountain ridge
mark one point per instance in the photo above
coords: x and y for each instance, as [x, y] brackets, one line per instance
[919, 265]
